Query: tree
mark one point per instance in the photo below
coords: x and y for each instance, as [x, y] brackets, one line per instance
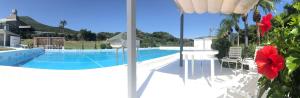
[226, 25]
[266, 6]
[102, 36]
[244, 18]
[87, 35]
[62, 25]
[232, 20]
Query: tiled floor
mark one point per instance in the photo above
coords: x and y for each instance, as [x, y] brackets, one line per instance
[159, 78]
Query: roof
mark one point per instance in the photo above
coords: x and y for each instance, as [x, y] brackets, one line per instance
[121, 36]
[43, 32]
[12, 17]
[216, 6]
[4, 20]
[2, 31]
[24, 27]
[9, 18]
[206, 37]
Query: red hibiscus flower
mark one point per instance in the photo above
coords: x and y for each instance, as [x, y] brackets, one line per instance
[265, 24]
[269, 62]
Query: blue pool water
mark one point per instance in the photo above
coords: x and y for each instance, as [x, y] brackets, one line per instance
[73, 60]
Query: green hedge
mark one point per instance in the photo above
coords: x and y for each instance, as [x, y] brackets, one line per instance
[222, 45]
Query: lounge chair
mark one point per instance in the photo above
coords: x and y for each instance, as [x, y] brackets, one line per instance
[235, 55]
[251, 61]
[247, 85]
[243, 86]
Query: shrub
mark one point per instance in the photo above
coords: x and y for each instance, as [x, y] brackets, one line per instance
[249, 51]
[222, 45]
[103, 46]
[285, 36]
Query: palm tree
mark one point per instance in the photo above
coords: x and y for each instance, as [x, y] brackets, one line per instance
[266, 6]
[233, 19]
[229, 22]
[244, 18]
[62, 25]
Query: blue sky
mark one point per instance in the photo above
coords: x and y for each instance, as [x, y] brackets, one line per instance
[110, 15]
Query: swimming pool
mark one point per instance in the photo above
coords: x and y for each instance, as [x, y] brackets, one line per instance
[74, 60]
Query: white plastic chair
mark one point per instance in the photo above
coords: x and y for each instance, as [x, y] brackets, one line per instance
[243, 86]
[251, 61]
[234, 56]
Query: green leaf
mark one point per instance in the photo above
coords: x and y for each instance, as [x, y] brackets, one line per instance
[294, 21]
[291, 65]
[295, 31]
[297, 6]
[264, 85]
[295, 52]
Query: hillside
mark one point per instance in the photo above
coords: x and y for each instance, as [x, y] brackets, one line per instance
[148, 39]
[37, 26]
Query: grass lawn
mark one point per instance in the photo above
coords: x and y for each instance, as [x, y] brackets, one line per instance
[72, 44]
[86, 44]
[4, 49]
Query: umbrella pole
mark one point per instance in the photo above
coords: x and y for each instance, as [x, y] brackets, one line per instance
[123, 55]
[4, 39]
[181, 37]
[131, 48]
[246, 37]
[238, 39]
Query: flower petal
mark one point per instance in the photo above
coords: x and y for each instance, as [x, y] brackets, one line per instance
[270, 73]
[269, 62]
[265, 24]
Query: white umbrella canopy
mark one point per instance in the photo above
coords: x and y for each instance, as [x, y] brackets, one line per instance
[211, 6]
[216, 6]
[185, 6]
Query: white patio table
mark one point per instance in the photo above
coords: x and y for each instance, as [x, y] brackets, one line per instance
[199, 55]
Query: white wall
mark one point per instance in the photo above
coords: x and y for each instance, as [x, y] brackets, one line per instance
[14, 41]
[177, 48]
[207, 45]
[199, 44]
[203, 44]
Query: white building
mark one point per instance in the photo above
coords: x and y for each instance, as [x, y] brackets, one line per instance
[203, 43]
[8, 28]
[8, 38]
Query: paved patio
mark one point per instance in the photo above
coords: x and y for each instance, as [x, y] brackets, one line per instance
[158, 78]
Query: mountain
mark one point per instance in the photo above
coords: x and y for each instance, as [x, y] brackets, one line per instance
[37, 26]
[153, 39]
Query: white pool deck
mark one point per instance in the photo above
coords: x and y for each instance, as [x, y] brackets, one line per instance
[158, 78]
